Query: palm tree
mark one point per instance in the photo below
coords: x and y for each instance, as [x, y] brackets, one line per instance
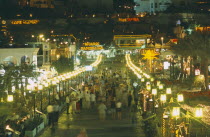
[196, 44]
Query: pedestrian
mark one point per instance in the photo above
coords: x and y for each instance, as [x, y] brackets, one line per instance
[87, 100]
[113, 108]
[50, 112]
[22, 130]
[119, 109]
[133, 111]
[73, 102]
[82, 133]
[92, 99]
[67, 104]
[129, 99]
[56, 111]
[102, 111]
[81, 95]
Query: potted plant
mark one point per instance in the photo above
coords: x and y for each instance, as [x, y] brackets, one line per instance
[34, 126]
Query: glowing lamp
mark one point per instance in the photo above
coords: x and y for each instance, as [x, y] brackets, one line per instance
[176, 111]
[198, 112]
[180, 98]
[10, 98]
[197, 72]
[158, 83]
[148, 87]
[163, 97]
[154, 91]
[40, 87]
[160, 86]
[168, 90]
[29, 87]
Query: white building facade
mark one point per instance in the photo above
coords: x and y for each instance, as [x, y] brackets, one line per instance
[151, 6]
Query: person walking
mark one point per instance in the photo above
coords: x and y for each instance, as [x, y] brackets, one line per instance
[56, 111]
[133, 111]
[81, 95]
[113, 108]
[87, 100]
[67, 104]
[50, 112]
[82, 133]
[102, 111]
[129, 99]
[92, 99]
[119, 109]
[73, 103]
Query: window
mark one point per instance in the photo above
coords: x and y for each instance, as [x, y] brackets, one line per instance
[151, 5]
[155, 5]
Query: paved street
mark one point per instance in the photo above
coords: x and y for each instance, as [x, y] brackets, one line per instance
[70, 125]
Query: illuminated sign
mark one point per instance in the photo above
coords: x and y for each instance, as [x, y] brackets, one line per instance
[150, 54]
[174, 40]
[17, 22]
[91, 43]
[92, 48]
[129, 19]
[3, 30]
[3, 22]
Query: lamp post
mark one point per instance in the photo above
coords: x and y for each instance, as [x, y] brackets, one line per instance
[53, 88]
[154, 93]
[40, 88]
[198, 113]
[10, 98]
[162, 38]
[35, 88]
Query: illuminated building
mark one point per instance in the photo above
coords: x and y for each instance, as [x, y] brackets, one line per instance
[151, 6]
[36, 3]
[124, 6]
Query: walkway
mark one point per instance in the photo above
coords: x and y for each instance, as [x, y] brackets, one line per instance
[70, 125]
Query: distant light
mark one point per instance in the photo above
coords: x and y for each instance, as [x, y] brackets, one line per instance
[88, 68]
[10, 98]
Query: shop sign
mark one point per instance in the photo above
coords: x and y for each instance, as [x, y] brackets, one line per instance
[91, 43]
[128, 19]
[92, 48]
[19, 22]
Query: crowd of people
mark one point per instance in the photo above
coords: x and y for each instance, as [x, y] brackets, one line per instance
[107, 90]
[104, 91]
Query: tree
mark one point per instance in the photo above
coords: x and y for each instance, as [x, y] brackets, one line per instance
[63, 65]
[196, 44]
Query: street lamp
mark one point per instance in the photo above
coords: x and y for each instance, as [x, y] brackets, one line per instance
[176, 112]
[163, 98]
[148, 87]
[180, 98]
[154, 93]
[10, 98]
[160, 86]
[162, 38]
[168, 90]
[198, 112]
[35, 87]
